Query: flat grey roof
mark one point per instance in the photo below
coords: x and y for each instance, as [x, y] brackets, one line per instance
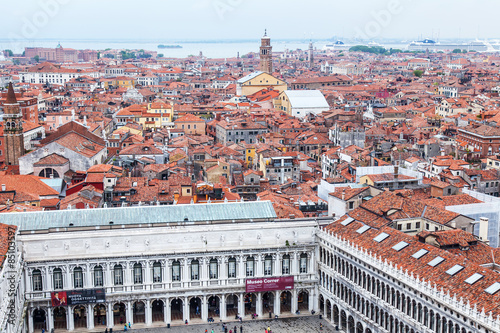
[140, 215]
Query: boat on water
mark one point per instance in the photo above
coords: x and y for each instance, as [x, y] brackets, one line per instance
[337, 45]
[431, 45]
[161, 46]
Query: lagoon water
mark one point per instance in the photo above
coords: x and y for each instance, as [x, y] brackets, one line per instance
[210, 49]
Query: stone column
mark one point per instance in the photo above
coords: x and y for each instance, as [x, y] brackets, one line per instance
[241, 268]
[277, 302]
[185, 272]
[168, 273]
[259, 266]
[70, 318]
[126, 277]
[185, 313]
[295, 301]
[277, 265]
[67, 283]
[148, 312]
[108, 277]
[48, 280]
[311, 264]
[129, 313]
[31, 324]
[148, 280]
[204, 308]
[110, 318]
[294, 265]
[167, 311]
[223, 270]
[49, 319]
[222, 307]
[313, 299]
[258, 305]
[241, 305]
[88, 280]
[90, 316]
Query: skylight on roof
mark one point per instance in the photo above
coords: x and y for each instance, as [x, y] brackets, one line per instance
[436, 261]
[474, 278]
[399, 246]
[347, 221]
[381, 237]
[362, 229]
[454, 270]
[493, 288]
[420, 253]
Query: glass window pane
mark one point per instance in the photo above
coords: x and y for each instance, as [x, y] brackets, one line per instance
[231, 270]
[98, 276]
[157, 272]
[195, 270]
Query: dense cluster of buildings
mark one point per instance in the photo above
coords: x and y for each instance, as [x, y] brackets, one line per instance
[157, 190]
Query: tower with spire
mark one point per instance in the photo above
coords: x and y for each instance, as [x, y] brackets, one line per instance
[13, 128]
[266, 54]
[311, 55]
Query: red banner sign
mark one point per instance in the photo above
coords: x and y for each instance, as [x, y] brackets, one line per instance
[269, 284]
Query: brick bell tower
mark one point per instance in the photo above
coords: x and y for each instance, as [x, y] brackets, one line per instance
[266, 54]
[13, 129]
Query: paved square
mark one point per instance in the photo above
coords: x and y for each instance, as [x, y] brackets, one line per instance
[284, 325]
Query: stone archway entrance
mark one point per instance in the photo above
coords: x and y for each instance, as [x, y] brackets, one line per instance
[99, 315]
[232, 306]
[214, 308]
[286, 302]
[195, 308]
[250, 300]
[80, 316]
[267, 303]
[157, 308]
[139, 310]
[303, 301]
[39, 319]
[119, 314]
[176, 309]
[60, 318]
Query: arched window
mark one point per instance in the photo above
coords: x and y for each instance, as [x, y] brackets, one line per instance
[250, 266]
[48, 173]
[137, 273]
[268, 265]
[78, 277]
[57, 278]
[195, 270]
[98, 276]
[231, 268]
[176, 271]
[303, 263]
[213, 269]
[157, 275]
[118, 275]
[285, 265]
[37, 280]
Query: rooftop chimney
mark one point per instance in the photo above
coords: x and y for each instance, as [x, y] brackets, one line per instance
[4, 188]
[483, 228]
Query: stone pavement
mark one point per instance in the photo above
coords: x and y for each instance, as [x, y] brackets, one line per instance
[303, 324]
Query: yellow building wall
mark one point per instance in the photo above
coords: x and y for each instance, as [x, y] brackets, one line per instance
[249, 156]
[366, 180]
[260, 82]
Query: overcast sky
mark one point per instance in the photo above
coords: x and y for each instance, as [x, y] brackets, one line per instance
[247, 19]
